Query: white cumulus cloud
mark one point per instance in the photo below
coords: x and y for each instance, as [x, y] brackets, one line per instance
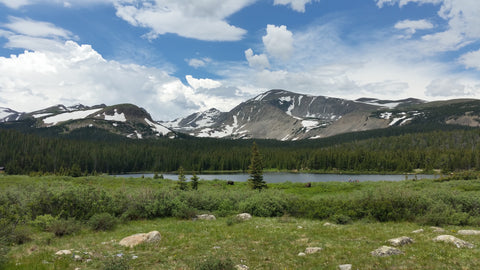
[203, 20]
[257, 61]
[278, 42]
[411, 27]
[202, 83]
[297, 5]
[471, 59]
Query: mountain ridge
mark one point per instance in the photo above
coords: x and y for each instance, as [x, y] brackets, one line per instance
[276, 114]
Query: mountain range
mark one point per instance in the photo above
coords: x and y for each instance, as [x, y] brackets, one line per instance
[275, 114]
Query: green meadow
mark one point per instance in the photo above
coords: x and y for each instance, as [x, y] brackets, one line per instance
[90, 215]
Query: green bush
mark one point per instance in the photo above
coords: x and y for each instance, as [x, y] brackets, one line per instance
[265, 204]
[63, 227]
[102, 222]
[21, 235]
[116, 263]
[43, 222]
[213, 263]
[341, 219]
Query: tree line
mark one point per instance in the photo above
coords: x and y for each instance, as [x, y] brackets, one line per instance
[448, 150]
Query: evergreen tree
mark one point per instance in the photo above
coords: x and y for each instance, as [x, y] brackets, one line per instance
[182, 180]
[194, 181]
[256, 170]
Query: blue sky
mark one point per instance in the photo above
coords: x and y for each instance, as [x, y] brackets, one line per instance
[175, 57]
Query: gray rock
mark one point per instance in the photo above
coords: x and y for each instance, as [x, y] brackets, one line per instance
[77, 258]
[400, 241]
[241, 267]
[311, 250]
[244, 216]
[385, 251]
[469, 232]
[459, 243]
[345, 267]
[140, 238]
[437, 229]
[418, 231]
[301, 254]
[64, 252]
[206, 217]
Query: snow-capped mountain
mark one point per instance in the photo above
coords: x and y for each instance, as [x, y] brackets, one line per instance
[7, 114]
[275, 114]
[124, 119]
[284, 115]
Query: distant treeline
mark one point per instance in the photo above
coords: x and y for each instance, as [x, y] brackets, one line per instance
[389, 150]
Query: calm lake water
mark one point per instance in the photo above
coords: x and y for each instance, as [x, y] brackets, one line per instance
[298, 177]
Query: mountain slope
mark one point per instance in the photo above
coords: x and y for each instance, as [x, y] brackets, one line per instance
[126, 120]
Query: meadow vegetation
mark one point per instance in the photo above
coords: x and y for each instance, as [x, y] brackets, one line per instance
[40, 215]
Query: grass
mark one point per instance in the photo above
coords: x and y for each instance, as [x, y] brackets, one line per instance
[260, 243]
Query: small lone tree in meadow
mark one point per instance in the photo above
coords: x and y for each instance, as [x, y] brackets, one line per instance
[256, 170]
[194, 181]
[182, 180]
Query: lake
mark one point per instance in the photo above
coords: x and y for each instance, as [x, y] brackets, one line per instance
[298, 177]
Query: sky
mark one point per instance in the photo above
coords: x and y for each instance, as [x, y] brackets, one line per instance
[176, 57]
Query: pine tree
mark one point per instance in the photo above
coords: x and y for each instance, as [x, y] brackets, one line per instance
[182, 180]
[194, 181]
[256, 170]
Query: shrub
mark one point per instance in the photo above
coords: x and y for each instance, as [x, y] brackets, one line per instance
[213, 263]
[44, 222]
[102, 222]
[116, 263]
[341, 219]
[63, 227]
[21, 235]
[265, 205]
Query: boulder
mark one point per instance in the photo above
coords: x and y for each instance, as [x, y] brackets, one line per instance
[140, 238]
[311, 250]
[400, 241]
[437, 229]
[345, 267]
[241, 267]
[64, 252]
[206, 217]
[385, 251]
[469, 232]
[459, 243]
[244, 216]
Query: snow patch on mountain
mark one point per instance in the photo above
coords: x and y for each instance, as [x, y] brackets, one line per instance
[119, 117]
[53, 120]
[40, 115]
[161, 130]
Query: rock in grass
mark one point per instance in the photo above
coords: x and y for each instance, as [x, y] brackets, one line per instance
[301, 254]
[437, 229]
[244, 216]
[311, 250]
[140, 238]
[418, 231]
[385, 251]
[64, 252]
[469, 232]
[459, 243]
[400, 241]
[345, 267]
[206, 217]
[241, 267]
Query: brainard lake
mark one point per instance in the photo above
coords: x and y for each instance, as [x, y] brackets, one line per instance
[298, 177]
